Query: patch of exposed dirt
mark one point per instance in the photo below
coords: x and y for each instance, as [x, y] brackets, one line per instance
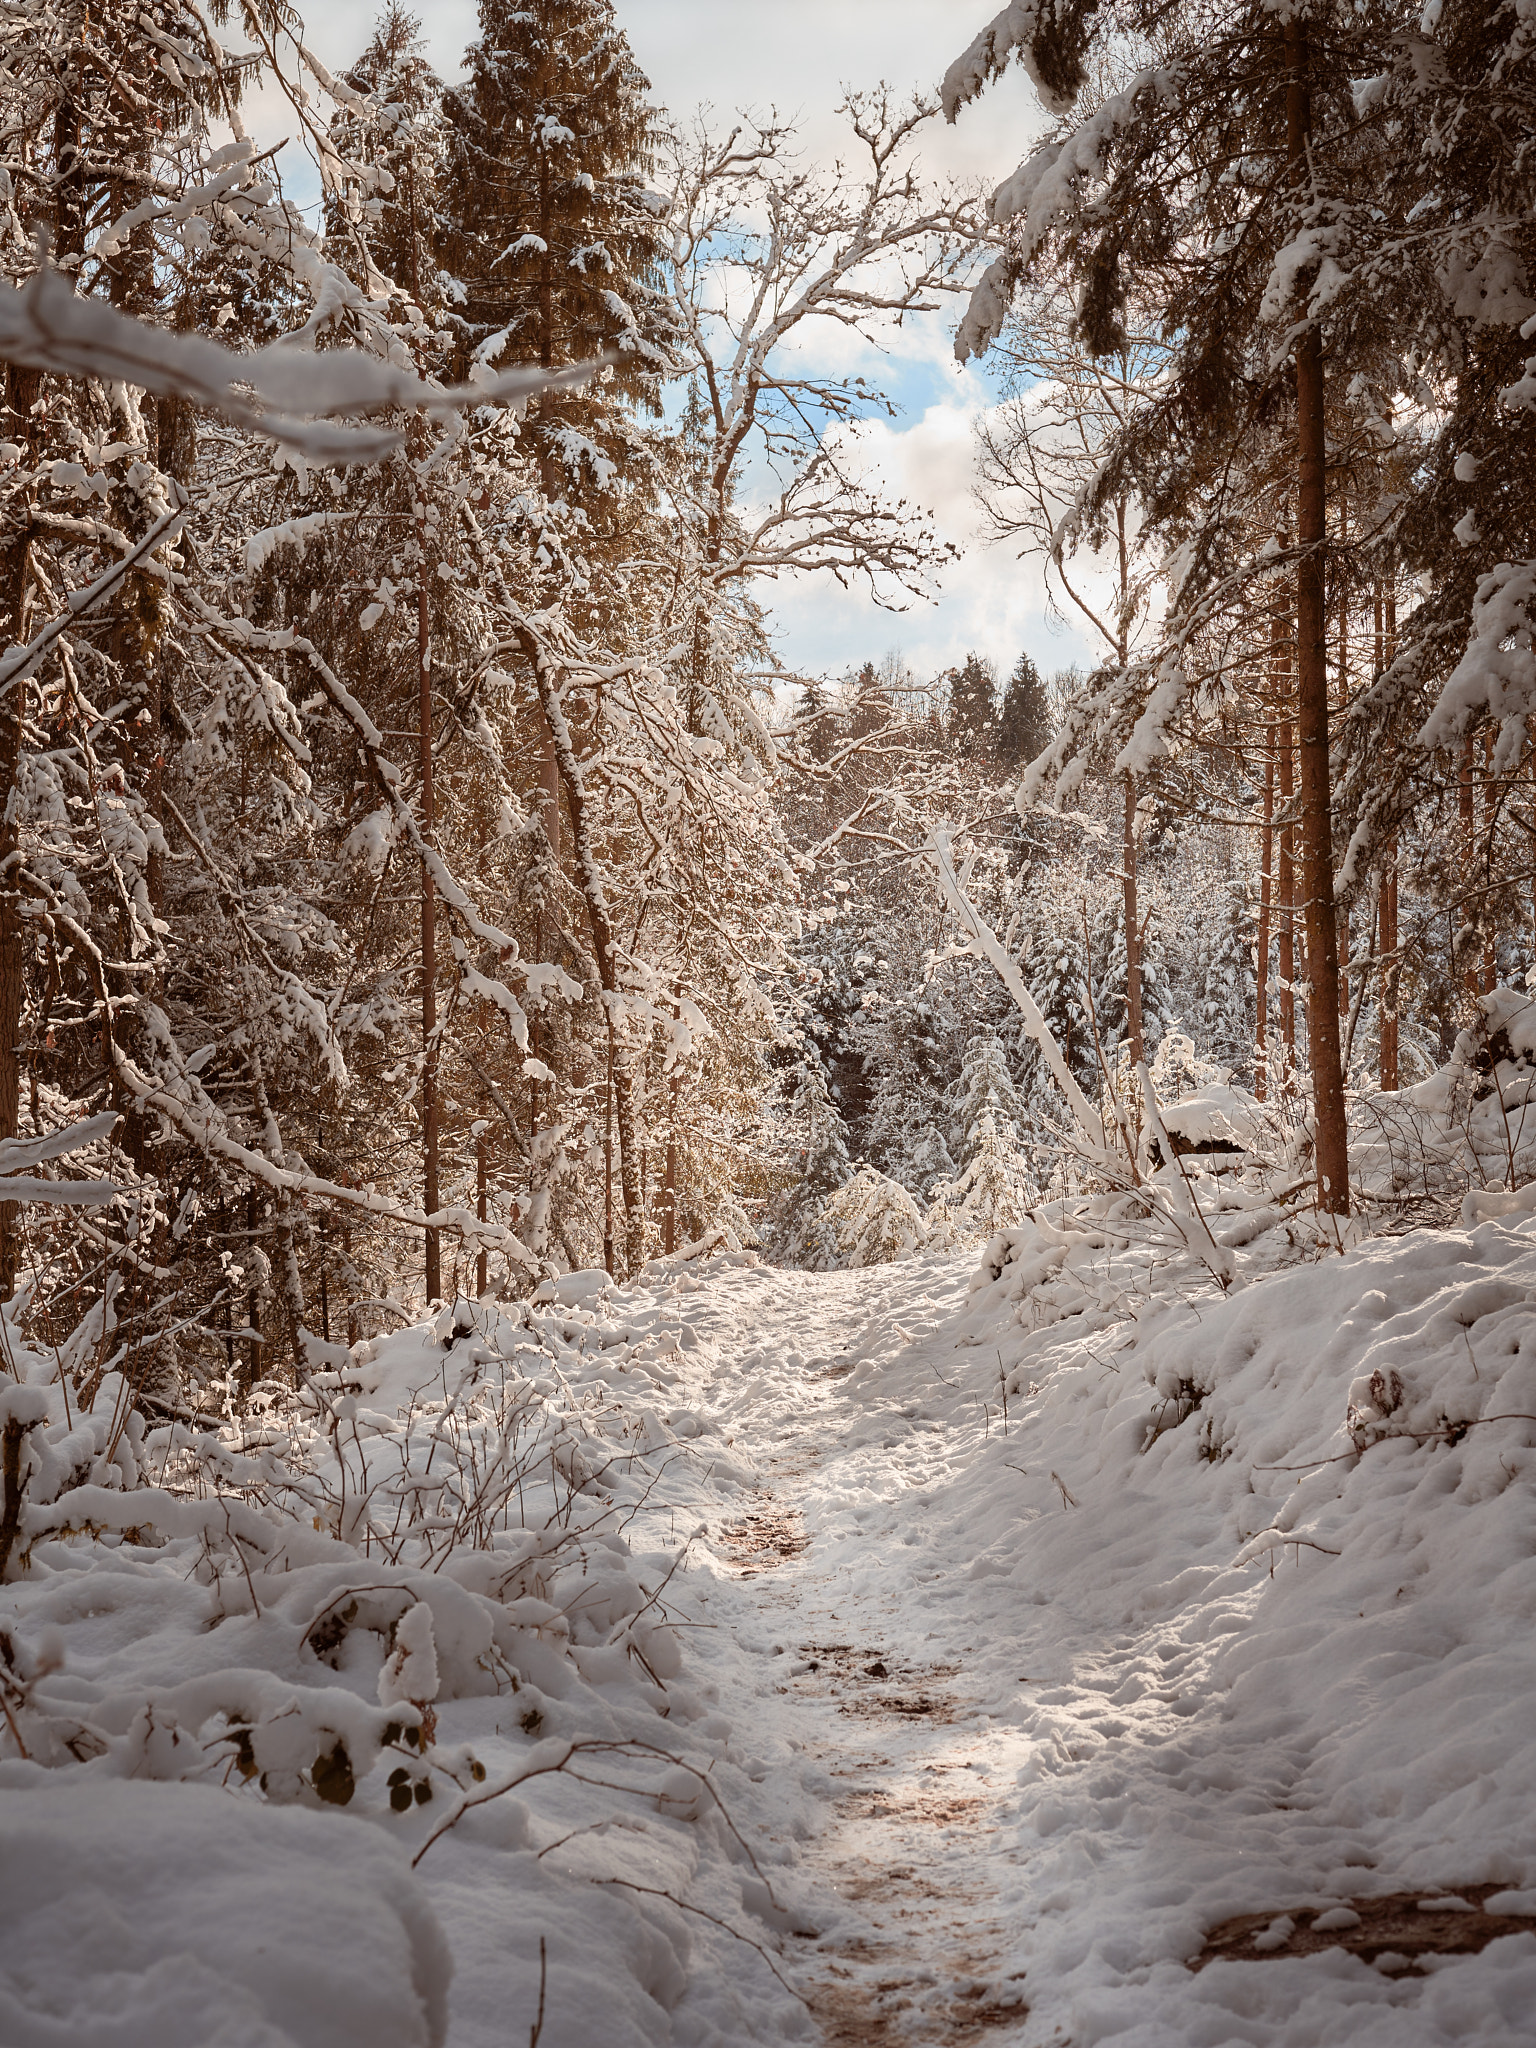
[880, 2012]
[931, 1807]
[860, 1670]
[761, 1542]
[1399, 1928]
[906, 1706]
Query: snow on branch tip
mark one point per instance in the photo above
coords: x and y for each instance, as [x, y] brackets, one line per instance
[287, 393]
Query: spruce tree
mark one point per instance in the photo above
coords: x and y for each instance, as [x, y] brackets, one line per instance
[397, 132]
[972, 706]
[554, 237]
[815, 719]
[1024, 723]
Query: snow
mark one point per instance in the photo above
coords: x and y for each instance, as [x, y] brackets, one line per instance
[1497, 670]
[961, 1643]
[45, 323]
[210, 1920]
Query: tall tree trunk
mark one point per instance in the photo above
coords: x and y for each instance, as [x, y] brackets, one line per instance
[429, 1136]
[669, 1208]
[627, 1105]
[23, 389]
[1261, 978]
[1490, 818]
[1324, 1050]
[1287, 961]
[1386, 944]
[623, 1088]
[549, 813]
[1132, 929]
[481, 1276]
[608, 1158]
[1467, 803]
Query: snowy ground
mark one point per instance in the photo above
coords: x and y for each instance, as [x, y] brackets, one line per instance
[1039, 1726]
[1030, 1650]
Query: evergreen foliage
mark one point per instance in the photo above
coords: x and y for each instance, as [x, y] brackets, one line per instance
[972, 719]
[554, 235]
[1024, 720]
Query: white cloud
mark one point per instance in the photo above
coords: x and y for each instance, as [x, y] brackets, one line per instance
[989, 599]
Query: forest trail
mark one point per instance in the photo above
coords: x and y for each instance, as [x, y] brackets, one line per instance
[1041, 1704]
[869, 1691]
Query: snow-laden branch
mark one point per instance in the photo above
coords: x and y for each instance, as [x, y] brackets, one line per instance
[289, 394]
[17, 663]
[180, 1110]
[987, 942]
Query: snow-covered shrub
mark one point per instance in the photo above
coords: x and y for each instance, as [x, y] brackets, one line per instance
[872, 1220]
[431, 1519]
[798, 1235]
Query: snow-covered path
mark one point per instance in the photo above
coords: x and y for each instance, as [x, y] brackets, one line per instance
[1034, 1686]
[872, 1694]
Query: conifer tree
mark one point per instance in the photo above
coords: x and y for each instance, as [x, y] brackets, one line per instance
[973, 706]
[555, 237]
[1024, 722]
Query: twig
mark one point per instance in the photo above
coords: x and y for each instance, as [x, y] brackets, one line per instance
[655, 1892]
[538, 2025]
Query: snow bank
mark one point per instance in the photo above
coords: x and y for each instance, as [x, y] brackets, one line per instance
[207, 1919]
[1264, 1564]
[436, 1589]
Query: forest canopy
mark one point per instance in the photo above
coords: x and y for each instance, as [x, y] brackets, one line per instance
[418, 853]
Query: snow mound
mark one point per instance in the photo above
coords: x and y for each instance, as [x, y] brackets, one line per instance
[417, 1589]
[1265, 1559]
[210, 1920]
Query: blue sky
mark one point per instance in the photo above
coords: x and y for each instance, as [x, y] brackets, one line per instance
[795, 55]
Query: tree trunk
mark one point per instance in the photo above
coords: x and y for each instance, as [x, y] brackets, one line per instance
[1386, 942]
[608, 1159]
[429, 1143]
[1132, 929]
[1329, 1116]
[627, 1107]
[669, 1208]
[1490, 819]
[1261, 976]
[589, 881]
[1387, 1033]
[1467, 805]
[481, 1276]
[549, 813]
[23, 389]
[1287, 961]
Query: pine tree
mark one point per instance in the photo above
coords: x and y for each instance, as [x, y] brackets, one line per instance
[555, 238]
[1024, 723]
[972, 707]
[394, 138]
[1266, 276]
[815, 717]
[803, 1236]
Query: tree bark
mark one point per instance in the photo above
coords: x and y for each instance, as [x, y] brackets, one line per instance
[481, 1276]
[23, 389]
[622, 1090]
[1132, 929]
[1287, 946]
[1261, 975]
[1325, 1053]
[1386, 943]
[1466, 802]
[429, 1133]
